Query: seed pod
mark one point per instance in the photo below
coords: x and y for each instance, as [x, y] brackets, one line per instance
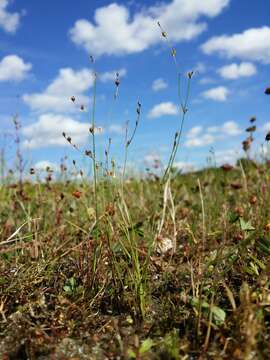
[239, 211]
[72, 98]
[267, 91]
[173, 52]
[227, 167]
[236, 185]
[77, 194]
[253, 200]
[251, 129]
[267, 137]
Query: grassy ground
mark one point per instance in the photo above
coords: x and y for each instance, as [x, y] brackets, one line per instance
[179, 271]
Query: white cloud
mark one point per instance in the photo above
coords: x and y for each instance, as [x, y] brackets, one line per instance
[152, 158]
[184, 167]
[206, 80]
[203, 140]
[252, 44]
[266, 126]
[116, 129]
[111, 75]
[235, 71]
[230, 128]
[212, 129]
[163, 109]
[56, 97]
[159, 84]
[47, 131]
[226, 156]
[44, 164]
[8, 21]
[13, 68]
[195, 131]
[197, 137]
[115, 32]
[200, 68]
[219, 93]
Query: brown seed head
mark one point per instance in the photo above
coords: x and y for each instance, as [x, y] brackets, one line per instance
[227, 167]
[77, 194]
[253, 200]
[236, 185]
[88, 153]
[239, 211]
[251, 129]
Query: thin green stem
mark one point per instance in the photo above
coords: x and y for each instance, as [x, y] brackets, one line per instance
[94, 144]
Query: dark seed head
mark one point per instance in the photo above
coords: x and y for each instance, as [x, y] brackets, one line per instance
[267, 138]
[251, 129]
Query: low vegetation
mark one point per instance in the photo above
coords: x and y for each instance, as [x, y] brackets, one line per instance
[156, 277]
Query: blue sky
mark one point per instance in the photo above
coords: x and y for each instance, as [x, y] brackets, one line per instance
[45, 50]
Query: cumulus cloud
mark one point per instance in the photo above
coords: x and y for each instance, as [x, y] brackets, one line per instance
[159, 84]
[252, 44]
[152, 158]
[47, 131]
[163, 109]
[115, 32]
[266, 126]
[206, 80]
[198, 137]
[219, 93]
[235, 71]
[13, 68]
[116, 129]
[8, 21]
[43, 165]
[230, 128]
[111, 75]
[203, 140]
[56, 97]
[226, 156]
[184, 167]
[194, 132]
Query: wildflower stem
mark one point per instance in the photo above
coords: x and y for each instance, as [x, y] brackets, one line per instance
[94, 143]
